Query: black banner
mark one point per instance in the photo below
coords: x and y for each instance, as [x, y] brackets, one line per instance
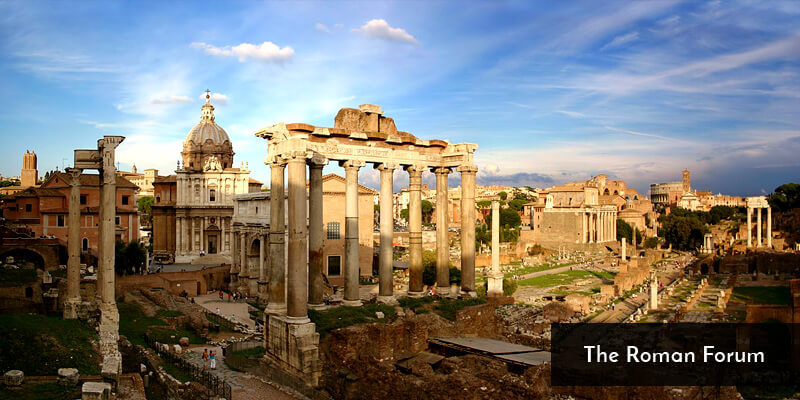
[675, 354]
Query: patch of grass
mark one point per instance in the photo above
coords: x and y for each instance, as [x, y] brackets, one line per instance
[447, 308]
[569, 292]
[165, 335]
[778, 295]
[535, 268]
[164, 313]
[133, 323]
[251, 352]
[10, 277]
[343, 316]
[47, 390]
[416, 304]
[176, 372]
[40, 345]
[563, 278]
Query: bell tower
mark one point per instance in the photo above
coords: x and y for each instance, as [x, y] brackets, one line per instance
[29, 174]
[687, 183]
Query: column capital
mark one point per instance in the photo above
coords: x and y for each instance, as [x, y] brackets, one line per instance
[385, 166]
[351, 164]
[441, 170]
[317, 160]
[74, 174]
[275, 161]
[414, 169]
[467, 169]
[297, 155]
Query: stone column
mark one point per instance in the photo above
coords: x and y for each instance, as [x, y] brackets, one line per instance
[415, 231]
[297, 273]
[386, 281]
[352, 297]
[653, 290]
[583, 227]
[758, 229]
[622, 251]
[244, 270]
[277, 241]
[591, 226]
[203, 244]
[315, 248]
[178, 236]
[749, 227]
[442, 241]
[601, 227]
[262, 270]
[494, 278]
[108, 213]
[769, 227]
[221, 247]
[73, 296]
[468, 229]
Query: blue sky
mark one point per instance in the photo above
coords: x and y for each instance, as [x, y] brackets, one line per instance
[550, 91]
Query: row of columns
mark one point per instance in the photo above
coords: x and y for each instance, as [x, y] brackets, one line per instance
[190, 234]
[241, 261]
[758, 226]
[598, 226]
[304, 269]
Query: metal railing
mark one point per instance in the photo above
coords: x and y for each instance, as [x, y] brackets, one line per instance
[215, 385]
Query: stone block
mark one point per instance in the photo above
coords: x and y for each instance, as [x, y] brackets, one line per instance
[379, 315]
[111, 368]
[68, 376]
[177, 348]
[184, 341]
[14, 377]
[95, 391]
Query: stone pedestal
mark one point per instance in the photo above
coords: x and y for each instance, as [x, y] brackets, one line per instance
[95, 391]
[294, 346]
[13, 378]
[68, 376]
[494, 285]
[71, 308]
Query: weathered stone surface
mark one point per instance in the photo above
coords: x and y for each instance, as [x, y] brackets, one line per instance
[68, 376]
[184, 341]
[95, 391]
[556, 311]
[14, 377]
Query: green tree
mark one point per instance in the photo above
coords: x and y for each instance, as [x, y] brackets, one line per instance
[404, 214]
[785, 197]
[683, 232]
[146, 209]
[719, 213]
[128, 258]
[624, 230]
[508, 218]
[427, 210]
[517, 204]
[503, 196]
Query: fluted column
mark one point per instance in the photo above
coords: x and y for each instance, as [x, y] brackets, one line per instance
[592, 226]
[297, 271]
[468, 229]
[315, 230]
[749, 227]
[277, 241]
[386, 281]
[758, 229]
[415, 230]
[73, 245]
[601, 228]
[352, 268]
[108, 213]
[442, 242]
[769, 227]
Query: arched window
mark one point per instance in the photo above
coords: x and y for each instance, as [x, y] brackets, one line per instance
[85, 244]
[212, 195]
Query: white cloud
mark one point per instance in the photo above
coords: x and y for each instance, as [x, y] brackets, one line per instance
[322, 28]
[217, 98]
[620, 40]
[491, 169]
[266, 52]
[172, 99]
[380, 29]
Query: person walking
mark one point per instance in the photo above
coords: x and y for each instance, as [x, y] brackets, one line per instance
[213, 357]
[205, 358]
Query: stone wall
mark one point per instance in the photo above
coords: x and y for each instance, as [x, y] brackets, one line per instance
[193, 282]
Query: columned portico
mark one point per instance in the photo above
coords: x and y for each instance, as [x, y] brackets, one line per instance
[385, 279]
[352, 271]
[758, 204]
[415, 230]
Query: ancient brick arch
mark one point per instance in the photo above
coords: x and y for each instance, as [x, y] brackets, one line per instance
[47, 254]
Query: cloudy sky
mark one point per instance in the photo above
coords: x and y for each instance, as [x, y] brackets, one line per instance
[550, 91]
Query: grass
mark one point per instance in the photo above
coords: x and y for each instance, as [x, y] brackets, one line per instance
[16, 277]
[133, 323]
[535, 268]
[778, 295]
[569, 292]
[563, 278]
[447, 308]
[46, 390]
[164, 313]
[340, 317]
[40, 345]
[418, 305]
[251, 352]
[176, 372]
[165, 335]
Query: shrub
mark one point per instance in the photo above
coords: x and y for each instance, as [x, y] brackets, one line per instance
[509, 286]
[651, 242]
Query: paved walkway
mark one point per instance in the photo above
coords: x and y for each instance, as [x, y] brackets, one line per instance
[236, 310]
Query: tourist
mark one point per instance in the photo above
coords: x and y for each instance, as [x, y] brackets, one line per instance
[213, 357]
[205, 358]
[218, 312]
[229, 297]
[220, 295]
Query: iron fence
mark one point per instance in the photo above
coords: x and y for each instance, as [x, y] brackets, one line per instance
[215, 385]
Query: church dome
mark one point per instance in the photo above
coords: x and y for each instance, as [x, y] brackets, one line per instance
[207, 129]
[205, 141]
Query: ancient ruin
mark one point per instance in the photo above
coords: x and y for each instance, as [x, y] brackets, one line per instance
[758, 204]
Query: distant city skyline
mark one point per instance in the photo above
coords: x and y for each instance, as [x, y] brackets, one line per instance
[551, 92]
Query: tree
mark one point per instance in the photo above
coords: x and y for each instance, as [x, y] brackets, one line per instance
[719, 213]
[785, 197]
[508, 218]
[404, 214]
[517, 204]
[624, 230]
[503, 196]
[146, 210]
[427, 210]
[684, 232]
[129, 258]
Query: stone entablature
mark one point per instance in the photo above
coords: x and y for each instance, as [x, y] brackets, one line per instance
[757, 204]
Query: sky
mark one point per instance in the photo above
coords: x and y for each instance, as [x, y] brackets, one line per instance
[551, 92]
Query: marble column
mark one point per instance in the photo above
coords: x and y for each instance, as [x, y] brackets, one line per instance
[414, 231]
[352, 272]
[178, 236]
[601, 228]
[769, 227]
[221, 247]
[244, 266]
[386, 280]
[468, 229]
[623, 250]
[277, 241]
[494, 278]
[592, 226]
[749, 227]
[583, 227]
[297, 271]
[262, 270]
[203, 244]
[442, 240]
[758, 228]
[108, 213]
[73, 296]
[315, 243]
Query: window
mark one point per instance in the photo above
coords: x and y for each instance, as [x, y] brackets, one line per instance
[334, 265]
[212, 195]
[28, 207]
[83, 199]
[333, 230]
[60, 220]
[117, 220]
[85, 244]
[125, 200]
